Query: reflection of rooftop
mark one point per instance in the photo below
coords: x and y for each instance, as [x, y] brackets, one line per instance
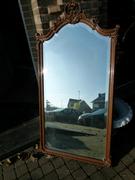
[100, 98]
[79, 104]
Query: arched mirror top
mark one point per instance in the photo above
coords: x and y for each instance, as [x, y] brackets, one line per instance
[72, 15]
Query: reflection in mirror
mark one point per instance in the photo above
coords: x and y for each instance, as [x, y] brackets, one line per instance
[76, 67]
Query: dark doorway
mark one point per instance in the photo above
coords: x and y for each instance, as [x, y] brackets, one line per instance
[18, 83]
[123, 13]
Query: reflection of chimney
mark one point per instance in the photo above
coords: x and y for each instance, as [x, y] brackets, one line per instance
[101, 95]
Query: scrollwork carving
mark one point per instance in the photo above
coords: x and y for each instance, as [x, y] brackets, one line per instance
[73, 12]
[72, 8]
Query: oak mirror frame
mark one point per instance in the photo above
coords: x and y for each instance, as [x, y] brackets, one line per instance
[76, 61]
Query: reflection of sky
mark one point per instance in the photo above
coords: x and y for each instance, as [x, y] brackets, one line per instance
[75, 60]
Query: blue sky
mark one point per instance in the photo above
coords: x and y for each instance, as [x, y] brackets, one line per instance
[75, 61]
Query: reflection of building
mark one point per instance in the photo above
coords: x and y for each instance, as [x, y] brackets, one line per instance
[99, 102]
[79, 104]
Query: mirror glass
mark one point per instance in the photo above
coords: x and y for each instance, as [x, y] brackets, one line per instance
[76, 67]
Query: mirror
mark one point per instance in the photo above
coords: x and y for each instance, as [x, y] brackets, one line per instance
[76, 68]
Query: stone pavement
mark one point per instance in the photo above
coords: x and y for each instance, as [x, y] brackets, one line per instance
[56, 168]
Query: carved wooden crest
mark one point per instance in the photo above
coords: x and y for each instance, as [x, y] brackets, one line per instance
[73, 12]
[72, 8]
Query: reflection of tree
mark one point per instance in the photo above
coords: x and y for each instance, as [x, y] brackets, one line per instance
[49, 106]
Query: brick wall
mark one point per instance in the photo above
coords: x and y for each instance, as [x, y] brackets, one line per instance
[39, 15]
